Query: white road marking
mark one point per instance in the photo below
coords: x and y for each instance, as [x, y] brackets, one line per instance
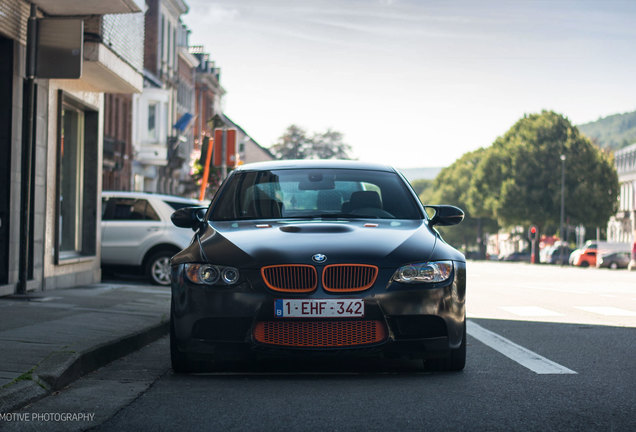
[607, 310]
[530, 311]
[526, 358]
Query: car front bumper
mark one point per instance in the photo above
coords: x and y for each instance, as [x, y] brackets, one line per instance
[407, 320]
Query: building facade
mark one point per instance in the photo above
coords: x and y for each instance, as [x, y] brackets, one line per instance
[117, 160]
[249, 150]
[155, 110]
[117, 155]
[180, 153]
[622, 226]
[51, 128]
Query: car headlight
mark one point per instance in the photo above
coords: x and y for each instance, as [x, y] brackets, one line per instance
[208, 274]
[428, 272]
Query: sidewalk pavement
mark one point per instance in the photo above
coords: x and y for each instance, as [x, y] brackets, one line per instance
[49, 339]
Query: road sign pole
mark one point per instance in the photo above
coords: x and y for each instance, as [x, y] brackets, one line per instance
[533, 255]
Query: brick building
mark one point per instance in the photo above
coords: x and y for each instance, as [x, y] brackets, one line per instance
[155, 109]
[180, 154]
[117, 160]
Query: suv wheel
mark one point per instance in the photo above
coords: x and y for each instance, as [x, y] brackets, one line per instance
[158, 267]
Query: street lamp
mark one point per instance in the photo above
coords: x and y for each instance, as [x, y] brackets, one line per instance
[562, 205]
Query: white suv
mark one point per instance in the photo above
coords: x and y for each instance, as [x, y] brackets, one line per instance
[137, 231]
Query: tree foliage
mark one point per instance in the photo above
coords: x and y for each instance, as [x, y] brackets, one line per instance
[455, 185]
[423, 188]
[520, 175]
[517, 181]
[295, 143]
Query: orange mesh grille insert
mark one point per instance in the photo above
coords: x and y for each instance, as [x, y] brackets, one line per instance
[295, 278]
[319, 334]
[348, 277]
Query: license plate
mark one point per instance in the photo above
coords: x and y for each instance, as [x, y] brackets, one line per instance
[319, 308]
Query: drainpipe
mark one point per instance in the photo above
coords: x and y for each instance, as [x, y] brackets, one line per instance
[28, 141]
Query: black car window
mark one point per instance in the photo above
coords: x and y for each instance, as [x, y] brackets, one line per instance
[179, 205]
[315, 193]
[105, 208]
[150, 212]
[129, 209]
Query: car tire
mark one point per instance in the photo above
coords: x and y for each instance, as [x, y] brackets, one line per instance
[180, 361]
[158, 267]
[613, 266]
[454, 362]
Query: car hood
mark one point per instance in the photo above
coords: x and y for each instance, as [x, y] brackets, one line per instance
[255, 244]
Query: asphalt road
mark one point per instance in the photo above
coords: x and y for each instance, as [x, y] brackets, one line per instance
[549, 348]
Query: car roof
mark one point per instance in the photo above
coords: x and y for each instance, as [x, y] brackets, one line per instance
[314, 163]
[163, 197]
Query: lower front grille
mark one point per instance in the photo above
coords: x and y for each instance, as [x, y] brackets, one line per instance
[320, 334]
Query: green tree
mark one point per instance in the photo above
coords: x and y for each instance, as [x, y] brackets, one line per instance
[423, 188]
[519, 177]
[295, 144]
[455, 185]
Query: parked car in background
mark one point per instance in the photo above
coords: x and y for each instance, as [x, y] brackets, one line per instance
[613, 260]
[522, 256]
[137, 231]
[584, 257]
[554, 254]
[591, 250]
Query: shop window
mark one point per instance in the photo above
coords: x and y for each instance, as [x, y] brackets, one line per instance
[77, 172]
[152, 120]
[71, 175]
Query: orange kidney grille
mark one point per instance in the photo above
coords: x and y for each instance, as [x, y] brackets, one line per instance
[294, 278]
[348, 277]
[319, 334]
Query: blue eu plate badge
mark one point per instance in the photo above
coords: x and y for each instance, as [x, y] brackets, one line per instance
[278, 308]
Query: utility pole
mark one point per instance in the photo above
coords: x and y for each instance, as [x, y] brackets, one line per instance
[224, 155]
[561, 257]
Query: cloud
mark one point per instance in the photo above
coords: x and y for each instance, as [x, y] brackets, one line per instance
[214, 12]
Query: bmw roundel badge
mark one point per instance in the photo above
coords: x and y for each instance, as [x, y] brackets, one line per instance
[319, 258]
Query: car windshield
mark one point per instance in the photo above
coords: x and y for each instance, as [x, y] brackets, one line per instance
[315, 193]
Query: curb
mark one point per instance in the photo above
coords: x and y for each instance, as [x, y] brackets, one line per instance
[63, 367]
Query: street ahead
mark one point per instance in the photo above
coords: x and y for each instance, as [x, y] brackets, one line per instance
[549, 348]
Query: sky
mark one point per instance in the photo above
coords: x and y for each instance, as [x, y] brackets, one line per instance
[416, 83]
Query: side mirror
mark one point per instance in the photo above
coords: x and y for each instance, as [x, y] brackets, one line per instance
[446, 215]
[188, 217]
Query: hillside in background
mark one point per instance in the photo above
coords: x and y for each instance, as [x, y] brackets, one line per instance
[427, 173]
[613, 132]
